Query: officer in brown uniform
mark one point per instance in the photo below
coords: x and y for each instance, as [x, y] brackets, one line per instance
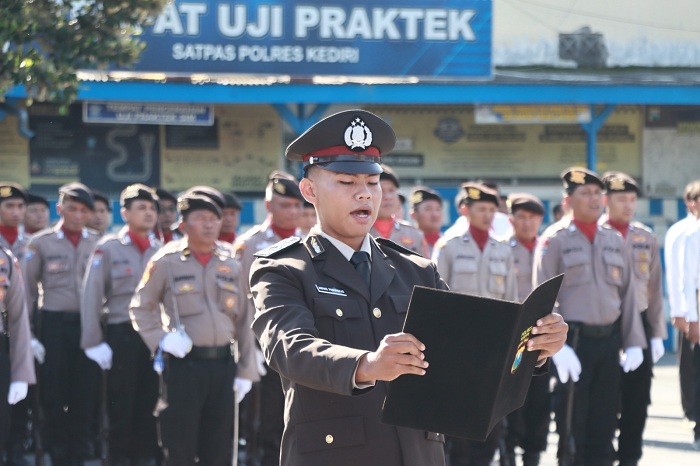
[13, 201]
[56, 259]
[330, 308]
[476, 263]
[527, 427]
[16, 363]
[194, 282]
[167, 215]
[36, 215]
[427, 212]
[101, 217]
[231, 215]
[283, 201]
[388, 225]
[635, 394]
[597, 298]
[108, 338]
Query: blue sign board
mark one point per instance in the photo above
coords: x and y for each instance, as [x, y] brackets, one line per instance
[148, 113]
[431, 39]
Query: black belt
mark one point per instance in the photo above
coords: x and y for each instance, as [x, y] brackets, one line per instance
[596, 331]
[69, 317]
[211, 352]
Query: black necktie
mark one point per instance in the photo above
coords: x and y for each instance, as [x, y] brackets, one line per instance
[360, 260]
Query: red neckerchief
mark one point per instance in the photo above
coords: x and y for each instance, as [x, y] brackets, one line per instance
[587, 229]
[283, 233]
[141, 242]
[623, 228]
[384, 226]
[228, 237]
[9, 233]
[431, 238]
[29, 232]
[530, 245]
[72, 236]
[165, 235]
[481, 237]
[202, 258]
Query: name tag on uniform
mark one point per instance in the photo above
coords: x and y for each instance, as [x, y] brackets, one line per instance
[330, 290]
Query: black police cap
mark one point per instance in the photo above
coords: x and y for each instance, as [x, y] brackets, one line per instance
[98, 196]
[389, 174]
[164, 194]
[577, 176]
[35, 199]
[213, 194]
[284, 184]
[191, 201]
[420, 194]
[475, 192]
[135, 192]
[618, 182]
[79, 193]
[352, 141]
[9, 190]
[524, 201]
[232, 201]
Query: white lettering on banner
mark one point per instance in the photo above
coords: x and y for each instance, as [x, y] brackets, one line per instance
[212, 52]
[265, 53]
[269, 21]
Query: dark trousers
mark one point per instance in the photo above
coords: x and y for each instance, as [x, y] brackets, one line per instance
[595, 401]
[686, 373]
[68, 389]
[132, 391]
[528, 426]
[18, 437]
[465, 452]
[4, 387]
[198, 419]
[696, 388]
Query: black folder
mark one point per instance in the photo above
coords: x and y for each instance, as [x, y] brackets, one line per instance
[479, 369]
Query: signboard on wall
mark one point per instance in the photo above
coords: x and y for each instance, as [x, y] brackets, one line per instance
[14, 152]
[446, 143]
[148, 113]
[302, 38]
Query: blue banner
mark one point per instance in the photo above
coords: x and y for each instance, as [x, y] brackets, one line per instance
[150, 113]
[437, 39]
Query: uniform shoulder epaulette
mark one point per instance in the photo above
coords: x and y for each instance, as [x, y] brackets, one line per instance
[641, 226]
[278, 247]
[554, 228]
[42, 233]
[405, 223]
[254, 230]
[395, 246]
[108, 238]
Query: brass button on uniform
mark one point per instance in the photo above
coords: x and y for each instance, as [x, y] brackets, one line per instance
[339, 313]
[376, 312]
[329, 438]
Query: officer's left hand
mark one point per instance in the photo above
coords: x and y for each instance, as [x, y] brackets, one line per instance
[241, 387]
[550, 335]
[657, 349]
[693, 333]
[17, 392]
[631, 359]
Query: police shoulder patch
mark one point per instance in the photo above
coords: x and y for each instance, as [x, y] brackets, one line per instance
[278, 247]
[395, 246]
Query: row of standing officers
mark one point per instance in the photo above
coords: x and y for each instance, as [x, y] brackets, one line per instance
[190, 316]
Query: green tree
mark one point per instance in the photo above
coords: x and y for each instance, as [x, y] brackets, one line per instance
[44, 42]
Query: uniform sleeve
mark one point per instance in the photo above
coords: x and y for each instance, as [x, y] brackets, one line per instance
[285, 328]
[32, 274]
[21, 359]
[144, 309]
[655, 311]
[690, 254]
[443, 261]
[92, 298]
[670, 245]
[511, 282]
[546, 262]
[632, 327]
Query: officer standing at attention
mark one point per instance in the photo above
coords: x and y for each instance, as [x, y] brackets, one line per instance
[36, 215]
[283, 202]
[16, 363]
[13, 204]
[330, 308]
[528, 426]
[635, 386]
[231, 216]
[101, 217]
[56, 259]
[167, 215]
[478, 264]
[388, 225]
[195, 282]
[108, 338]
[597, 298]
[426, 211]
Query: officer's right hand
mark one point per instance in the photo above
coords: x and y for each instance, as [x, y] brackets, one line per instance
[693, 333]
[398, 354]
[38, 351]
[101, 354]
[568, 364]
[680, 323]
[176, 343]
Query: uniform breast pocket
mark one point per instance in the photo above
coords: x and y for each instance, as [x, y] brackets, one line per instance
[497, 277]
[123, 279]
[641, 266]
[336, 318]
[189, 296]
[228, 296]
[58, 274]
[465, 274]
[613, 268]
[577, 269]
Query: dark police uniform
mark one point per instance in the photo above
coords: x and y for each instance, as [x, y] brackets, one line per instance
[68, 377]
[316, 318]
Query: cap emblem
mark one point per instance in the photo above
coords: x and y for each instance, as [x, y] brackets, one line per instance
[474, 193]
[417, 197]
[279, 187]
[617, 184]
[5, 191]
[358, 135]
[578, 177]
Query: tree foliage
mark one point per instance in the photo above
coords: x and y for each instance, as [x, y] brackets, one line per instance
[44, 42]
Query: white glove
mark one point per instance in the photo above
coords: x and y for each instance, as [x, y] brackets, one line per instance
[101, 354]
[260, 362]
[17, 392]
[568, 364]
[38, 351]
[176, 343]
[631, 359]
[657, 349]
[241, 387]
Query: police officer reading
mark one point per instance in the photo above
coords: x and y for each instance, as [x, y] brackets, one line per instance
[329, 309]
